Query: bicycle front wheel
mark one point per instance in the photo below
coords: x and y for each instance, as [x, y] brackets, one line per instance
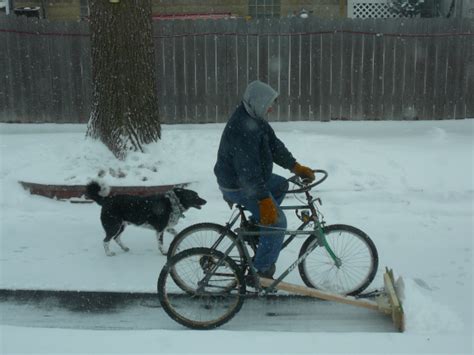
[356, 252]
[208, 304]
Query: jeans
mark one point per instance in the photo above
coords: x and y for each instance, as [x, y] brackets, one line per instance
[269, 245]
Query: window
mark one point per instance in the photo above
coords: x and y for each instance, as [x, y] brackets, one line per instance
[264, 8]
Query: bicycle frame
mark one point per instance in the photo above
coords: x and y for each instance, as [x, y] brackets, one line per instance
[244, 221]
[317, 231]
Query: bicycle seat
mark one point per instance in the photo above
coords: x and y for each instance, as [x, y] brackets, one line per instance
[231, 204]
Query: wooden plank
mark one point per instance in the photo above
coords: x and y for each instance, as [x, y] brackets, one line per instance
[452, 53]
[460, 73]
[242, 57]
[200, 72]
[345, 91]
[232, 70]
[28, 63]
[211, 72]
[86, 71]
[67, 74]
[337, 60]
[63, 48]
[169, 70]
[4, 74]
[159, 43]
[468, 27]
[388, 75]
[6, 78]
[263, 65]
[409, 72]
[283, 110]
[180, 54]
[79, 108]
[398, 77]
[357, 79]
[395, 306]
[367, 70]
[316, 68]
[56, 63]
[190, 97]
[430, 70]
[294, 73]
[25, 52]
[421, 51]
[440, 87]
[443, 110]
[304, 72]
[377, 81]
[274, 64]
[223, 100]
[253, 51]
[438, 74]
[326, 71]
[19, 90]
[311, 292]
[398, 316]
[398, 71]
[42, 75]
[46, 94]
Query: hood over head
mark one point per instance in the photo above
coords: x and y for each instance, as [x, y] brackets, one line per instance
[258, 98]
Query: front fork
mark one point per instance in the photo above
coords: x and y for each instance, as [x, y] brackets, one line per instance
[322, 241]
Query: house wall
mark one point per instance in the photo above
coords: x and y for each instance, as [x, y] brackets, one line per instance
[59, 10]
[320, 8]
[74, 9]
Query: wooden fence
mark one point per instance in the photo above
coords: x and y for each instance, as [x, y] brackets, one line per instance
[376, 69]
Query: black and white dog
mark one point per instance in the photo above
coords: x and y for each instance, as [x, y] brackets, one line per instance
[160, 212]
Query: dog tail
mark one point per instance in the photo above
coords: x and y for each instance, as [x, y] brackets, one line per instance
[96, 192]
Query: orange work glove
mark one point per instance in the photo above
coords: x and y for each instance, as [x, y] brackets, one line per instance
[268, 211]
[303, 172]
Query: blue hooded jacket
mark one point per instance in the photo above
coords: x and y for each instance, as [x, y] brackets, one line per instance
[249, 146]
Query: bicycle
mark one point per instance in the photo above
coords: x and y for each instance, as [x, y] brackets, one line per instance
[211, 272]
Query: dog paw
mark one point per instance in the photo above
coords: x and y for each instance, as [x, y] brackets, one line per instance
[126, 249]
[110, 253]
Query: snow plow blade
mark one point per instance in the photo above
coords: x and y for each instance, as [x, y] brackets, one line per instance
[388, 302]
[393, 295]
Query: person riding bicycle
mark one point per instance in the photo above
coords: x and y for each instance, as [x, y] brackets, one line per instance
[248, 148]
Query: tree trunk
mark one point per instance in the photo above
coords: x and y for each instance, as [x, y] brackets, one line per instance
[124, 107]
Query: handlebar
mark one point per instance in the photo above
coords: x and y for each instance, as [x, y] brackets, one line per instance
[303, 184]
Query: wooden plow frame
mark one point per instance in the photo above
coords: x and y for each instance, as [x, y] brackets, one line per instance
[388, 302]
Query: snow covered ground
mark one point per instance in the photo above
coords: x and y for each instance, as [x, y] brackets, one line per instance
[409, 185]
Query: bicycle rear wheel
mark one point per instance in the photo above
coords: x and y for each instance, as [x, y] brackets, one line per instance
[358, 256]
[206, 307]
[205, 235]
